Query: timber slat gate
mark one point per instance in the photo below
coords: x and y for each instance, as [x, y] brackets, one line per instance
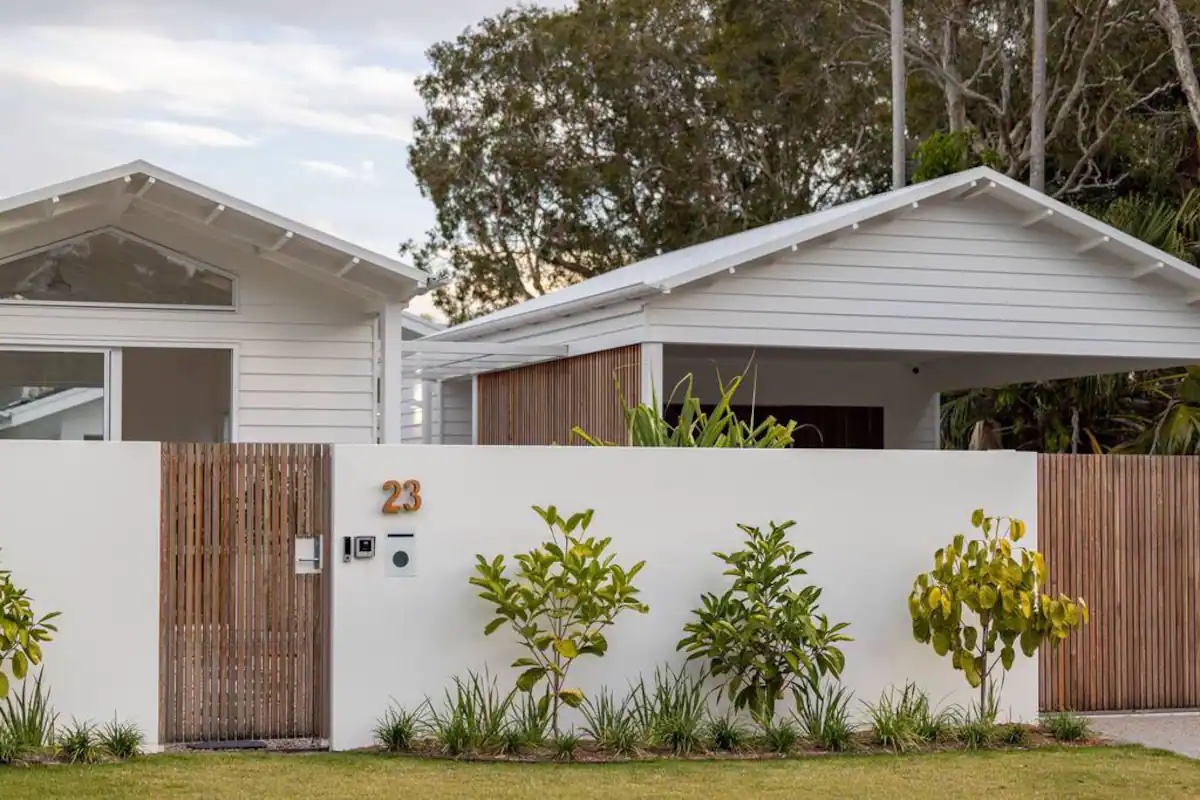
[243, 637]
[1123, 532]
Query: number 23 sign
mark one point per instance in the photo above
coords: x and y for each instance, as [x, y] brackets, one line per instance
[402, 496]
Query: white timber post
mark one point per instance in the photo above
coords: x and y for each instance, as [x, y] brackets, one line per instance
[652, 375]
[391, 401]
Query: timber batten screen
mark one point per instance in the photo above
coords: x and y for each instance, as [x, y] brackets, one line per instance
[1123, 532]
[243, 647]
[539, 404]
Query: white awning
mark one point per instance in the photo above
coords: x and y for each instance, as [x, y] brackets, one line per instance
[426, 360]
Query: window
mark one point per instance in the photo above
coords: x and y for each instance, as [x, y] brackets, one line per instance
[52, 395]
[111, 266]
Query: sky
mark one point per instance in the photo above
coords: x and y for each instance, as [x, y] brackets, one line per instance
[303, 107]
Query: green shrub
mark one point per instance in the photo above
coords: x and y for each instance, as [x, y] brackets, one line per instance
[564, 744]
[27, 715]
[121, 740]
[473, 716]
[1013, 735]
[762, 634]
[778, 735]
[671, 713]
[610, 724]
[558, 601]
[727, 733]
[977, 732]
[939, 725]
[22, 632]
[987, 595]
[78, 743]
[896, 718]
[647, 427]
[823, 713]
[398, 728]
[1067, 727]
[12, 749]
[529, 721]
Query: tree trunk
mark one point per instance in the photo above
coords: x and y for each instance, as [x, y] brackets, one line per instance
[899, 100]
[956, 106]
[1037, 129]
[1168, 17]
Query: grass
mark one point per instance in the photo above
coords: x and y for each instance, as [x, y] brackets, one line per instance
[1078, 772]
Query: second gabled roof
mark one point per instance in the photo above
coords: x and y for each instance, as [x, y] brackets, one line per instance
[682, 267]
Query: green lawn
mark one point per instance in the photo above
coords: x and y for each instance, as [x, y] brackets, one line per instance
[1102, 772]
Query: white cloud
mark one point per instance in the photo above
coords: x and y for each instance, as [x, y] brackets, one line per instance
[288, 79]
[363, 172]
[181, 134]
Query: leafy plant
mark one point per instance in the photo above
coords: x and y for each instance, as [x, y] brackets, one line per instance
[122, 740]
[938, 725]
[647, 427]
[727, 733]
[78, 743]
[28, 716]
[671, 713]
[978, 731]
[12, 749]
[564, 744]
[987, 595]
[778, 735]
[762, 634]
[529, 720]
[1067, 727]
[473, 716]
[610, 724]
[896, 718]
[562, 596]
[397, 729]
[823, 712]
[22, 632]
[1013, 734]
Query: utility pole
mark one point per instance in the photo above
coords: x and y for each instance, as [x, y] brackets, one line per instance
[899, 84]
[1037, 122]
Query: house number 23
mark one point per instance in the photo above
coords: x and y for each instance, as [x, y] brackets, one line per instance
[402, 496]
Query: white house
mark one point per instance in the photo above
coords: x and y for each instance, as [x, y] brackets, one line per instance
[855, 318]
[137, 304]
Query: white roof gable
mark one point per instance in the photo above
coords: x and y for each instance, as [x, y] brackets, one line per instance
[670, 271]
[144, 186]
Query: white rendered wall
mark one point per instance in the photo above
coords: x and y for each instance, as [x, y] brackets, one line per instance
[79, 528]
[873, 520]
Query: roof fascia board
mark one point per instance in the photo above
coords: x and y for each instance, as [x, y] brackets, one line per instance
[469, 331]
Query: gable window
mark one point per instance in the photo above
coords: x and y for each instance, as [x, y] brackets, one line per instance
[109, 266]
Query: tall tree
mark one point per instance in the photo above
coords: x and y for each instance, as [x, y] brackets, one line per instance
[558, 145]
[1037, 134]
[1167, 14]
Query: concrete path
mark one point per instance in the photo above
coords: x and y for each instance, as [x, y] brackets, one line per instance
[1167, 730]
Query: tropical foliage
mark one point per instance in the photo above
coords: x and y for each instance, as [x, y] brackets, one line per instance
[559, 599]
[694, 427]
[764, 637]
[988, 594]
[22, 632]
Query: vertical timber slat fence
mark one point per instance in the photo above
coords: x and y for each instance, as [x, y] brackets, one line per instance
[243, 637]
[539, 404]
[1123, 532]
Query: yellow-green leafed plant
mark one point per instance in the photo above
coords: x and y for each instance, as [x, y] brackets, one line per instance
[559, 599]
[21, 632]
[721, 428]
[987, 594]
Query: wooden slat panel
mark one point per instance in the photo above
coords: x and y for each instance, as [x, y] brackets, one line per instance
[1124, 533]
[539, 404]
[244, 639]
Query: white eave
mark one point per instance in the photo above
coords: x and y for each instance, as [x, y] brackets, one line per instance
[671, 271]
[143, 187]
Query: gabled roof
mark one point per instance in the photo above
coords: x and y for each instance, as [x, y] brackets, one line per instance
[146, 187]
[25, 411]
[670, 271]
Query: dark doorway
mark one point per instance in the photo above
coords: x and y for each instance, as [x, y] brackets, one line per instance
[847, 427]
